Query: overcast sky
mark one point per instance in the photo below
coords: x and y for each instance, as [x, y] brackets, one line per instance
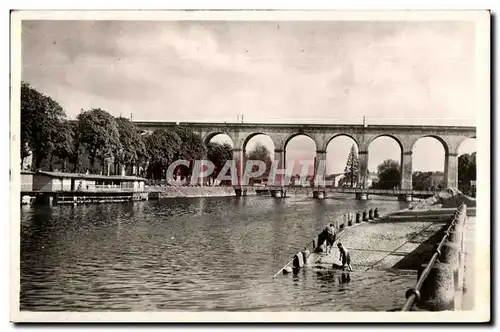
[317, 72]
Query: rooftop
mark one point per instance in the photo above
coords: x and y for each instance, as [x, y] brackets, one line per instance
[90, 176]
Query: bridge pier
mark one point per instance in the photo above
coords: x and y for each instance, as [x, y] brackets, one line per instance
[405, 198]
[319, 194]
[278, 193]
[451, 170]
[361, 196]
[240, 192]
[45, 199]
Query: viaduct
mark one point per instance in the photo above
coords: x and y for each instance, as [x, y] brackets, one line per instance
[405, 135]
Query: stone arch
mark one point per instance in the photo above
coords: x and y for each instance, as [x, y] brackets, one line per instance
[291, 163]
[327, 142]
[464, 140]
[371, 139]
[438, 138]
[252, 135]
[288, 138]
[366, 155]
[333, 156]
[207, 137]
[420, 167]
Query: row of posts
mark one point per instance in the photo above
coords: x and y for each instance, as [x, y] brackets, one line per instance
[347, 219]
[440, 280]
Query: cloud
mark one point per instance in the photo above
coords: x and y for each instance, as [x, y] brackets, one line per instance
[322, 70]
[326, 72]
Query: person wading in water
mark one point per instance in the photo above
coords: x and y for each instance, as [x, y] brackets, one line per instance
[331, 236]
[345, 257]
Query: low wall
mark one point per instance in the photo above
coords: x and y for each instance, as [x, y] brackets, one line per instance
[443, 214]
[440, 282]
[177, 191]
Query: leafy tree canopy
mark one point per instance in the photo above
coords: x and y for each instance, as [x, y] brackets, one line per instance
[218, 154]
[99, 134]
[466, 171]
[133, 147]
[261, 152]
[40, 117]
[389, 174]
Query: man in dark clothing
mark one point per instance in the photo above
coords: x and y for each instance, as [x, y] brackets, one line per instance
[331, 236]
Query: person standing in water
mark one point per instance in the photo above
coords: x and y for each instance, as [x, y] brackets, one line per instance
[331, 236]
[345, 257]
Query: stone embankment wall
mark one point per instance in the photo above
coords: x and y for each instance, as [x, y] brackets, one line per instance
[440, 281]
[178, 191]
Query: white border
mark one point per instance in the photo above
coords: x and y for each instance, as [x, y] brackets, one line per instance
[482, 46]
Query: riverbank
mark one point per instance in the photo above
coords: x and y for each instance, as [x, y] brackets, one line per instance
[178, 191]
[438, 207]
[401, 240]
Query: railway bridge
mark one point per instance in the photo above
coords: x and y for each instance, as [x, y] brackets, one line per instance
[405, 135]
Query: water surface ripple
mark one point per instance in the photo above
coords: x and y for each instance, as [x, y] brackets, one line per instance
[191, 254]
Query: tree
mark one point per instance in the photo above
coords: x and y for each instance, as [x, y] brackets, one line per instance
[40, 117]
[64, 144]
[260, 152]
[133, 148]
[162, 148]
[218, 154]
[427, 180]
[466, 171]
[351, 168]
[99, 135]
[191, 149]
[389, 174]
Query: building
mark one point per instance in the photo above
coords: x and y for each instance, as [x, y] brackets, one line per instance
[49, 188]
[371, 179]
[27, 181]
[59, 181]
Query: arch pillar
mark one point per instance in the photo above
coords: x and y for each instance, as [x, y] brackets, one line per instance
[451, 170]
[279, 162]
[406, 170]
[363, 168]
[239, 159]
[320, 168]
[202, 179]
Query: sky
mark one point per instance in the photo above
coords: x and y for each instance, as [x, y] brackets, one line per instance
[295, 72]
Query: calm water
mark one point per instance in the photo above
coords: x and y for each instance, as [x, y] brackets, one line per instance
[191, 254]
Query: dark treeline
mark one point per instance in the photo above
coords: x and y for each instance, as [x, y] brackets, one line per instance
[98, 143]
[389, 176]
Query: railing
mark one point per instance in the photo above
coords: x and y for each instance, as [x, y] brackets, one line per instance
[108, 188]
[343, 190]
[413, 294]
[312, 188]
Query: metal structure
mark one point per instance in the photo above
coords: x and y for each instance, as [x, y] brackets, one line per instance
[346, 190]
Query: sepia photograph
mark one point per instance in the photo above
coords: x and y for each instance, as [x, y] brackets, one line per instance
[250, 166]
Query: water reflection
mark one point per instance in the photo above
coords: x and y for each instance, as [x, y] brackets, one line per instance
[186, 254]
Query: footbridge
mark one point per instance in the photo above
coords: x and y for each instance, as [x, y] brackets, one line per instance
[322, 192]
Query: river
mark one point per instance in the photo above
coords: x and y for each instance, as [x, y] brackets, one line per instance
[192, 254]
